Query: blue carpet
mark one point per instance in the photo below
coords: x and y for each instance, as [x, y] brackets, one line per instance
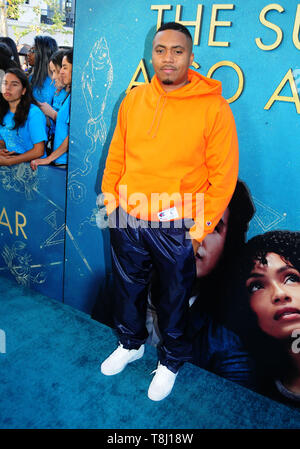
[50, 379]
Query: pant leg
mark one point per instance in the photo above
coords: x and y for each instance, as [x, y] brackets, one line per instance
[131, 265]
[173, 258]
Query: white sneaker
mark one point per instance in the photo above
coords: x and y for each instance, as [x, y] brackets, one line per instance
[162, 383]
[118, 360]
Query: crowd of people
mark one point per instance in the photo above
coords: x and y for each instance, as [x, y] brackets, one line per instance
[35, 103]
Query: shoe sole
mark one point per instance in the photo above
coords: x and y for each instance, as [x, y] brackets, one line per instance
[159, 399]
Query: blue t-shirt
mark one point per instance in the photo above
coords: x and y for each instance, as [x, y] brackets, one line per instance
[45, 93]
[62, 129]
[23, 139]
[58, 100]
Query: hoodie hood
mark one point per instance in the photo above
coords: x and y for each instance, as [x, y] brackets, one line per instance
[198, 85]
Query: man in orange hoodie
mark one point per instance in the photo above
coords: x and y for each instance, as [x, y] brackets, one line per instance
[170, 173]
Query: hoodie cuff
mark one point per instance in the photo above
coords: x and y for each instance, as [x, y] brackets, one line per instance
[111, 202]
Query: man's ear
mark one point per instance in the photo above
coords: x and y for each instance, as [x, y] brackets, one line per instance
[191, 58]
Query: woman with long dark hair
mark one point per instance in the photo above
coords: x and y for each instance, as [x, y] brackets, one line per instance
[55, 64]
[271, 324]
[43, 88]
[7, 60]
[60, 95]
[12, 45]
[61, 139]
[22, 123]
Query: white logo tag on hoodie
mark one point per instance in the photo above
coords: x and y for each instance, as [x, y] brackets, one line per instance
[168, 214]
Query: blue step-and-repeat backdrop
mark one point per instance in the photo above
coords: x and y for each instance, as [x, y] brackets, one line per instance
[32, 227]
[253, 47]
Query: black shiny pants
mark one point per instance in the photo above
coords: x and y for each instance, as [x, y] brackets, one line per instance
[139, 249]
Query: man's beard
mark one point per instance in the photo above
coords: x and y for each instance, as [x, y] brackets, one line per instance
[167, 82]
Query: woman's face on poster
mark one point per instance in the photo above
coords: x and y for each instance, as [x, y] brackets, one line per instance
[274, 290]
[209, 253]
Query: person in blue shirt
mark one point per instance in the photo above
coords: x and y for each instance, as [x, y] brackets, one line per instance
[60, 95]
[13, 48]
[61, 139]
[42, 86]
[61, 92]
[6, 58]
[22, 123]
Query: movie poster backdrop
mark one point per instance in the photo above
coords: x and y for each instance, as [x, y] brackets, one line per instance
[49, 234]
[252, 47]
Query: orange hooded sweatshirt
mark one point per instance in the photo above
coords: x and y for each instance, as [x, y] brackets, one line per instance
[169, 147]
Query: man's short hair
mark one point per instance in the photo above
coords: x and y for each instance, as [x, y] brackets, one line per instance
[177, 27]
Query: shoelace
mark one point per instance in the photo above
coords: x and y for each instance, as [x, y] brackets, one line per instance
[120, 347]
[154, 372]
